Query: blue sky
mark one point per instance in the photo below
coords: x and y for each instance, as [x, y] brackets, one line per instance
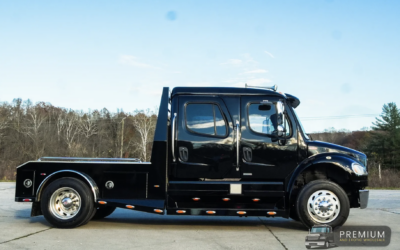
[339, 57]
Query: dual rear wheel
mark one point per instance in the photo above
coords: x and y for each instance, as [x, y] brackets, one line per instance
[68, 202]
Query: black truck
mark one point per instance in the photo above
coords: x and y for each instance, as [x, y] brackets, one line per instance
[320, 236]
[216, 152]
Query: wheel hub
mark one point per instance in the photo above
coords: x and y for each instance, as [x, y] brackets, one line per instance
[323, 206]
[67, 202]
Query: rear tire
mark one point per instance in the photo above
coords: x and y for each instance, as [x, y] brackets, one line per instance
[322, 202]
[67, 203]
[102, 212]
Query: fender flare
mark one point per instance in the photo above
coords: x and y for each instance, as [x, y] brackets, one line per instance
[335, 159]
[87, 178]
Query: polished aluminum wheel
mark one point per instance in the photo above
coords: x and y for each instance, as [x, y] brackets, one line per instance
[65, 203]
[323, 206]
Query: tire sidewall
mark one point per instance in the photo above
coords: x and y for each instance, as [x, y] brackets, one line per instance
[87, 203]
[309, 189]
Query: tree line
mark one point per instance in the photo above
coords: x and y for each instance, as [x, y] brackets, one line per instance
[30, 131]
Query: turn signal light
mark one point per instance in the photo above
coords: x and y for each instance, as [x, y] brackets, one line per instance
[241, 212]
[196, 199]
[226, 199]
[156, 186]
[102, 202]
[130, 206]
[271, 213]
[158, 210]
[210, 212]
[256, 200]
[180, 211]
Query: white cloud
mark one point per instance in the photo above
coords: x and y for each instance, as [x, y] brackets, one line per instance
[268, 53]
[235, 62]
[256, 71]
[133, 61]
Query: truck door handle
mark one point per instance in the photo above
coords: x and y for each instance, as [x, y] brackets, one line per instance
[183, 153]
[247, 154]
[173, 138]
[237, 144]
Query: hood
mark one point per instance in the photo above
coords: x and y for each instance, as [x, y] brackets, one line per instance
[319, 147]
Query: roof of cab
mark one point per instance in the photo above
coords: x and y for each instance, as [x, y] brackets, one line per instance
[232, 91]
[222, 91]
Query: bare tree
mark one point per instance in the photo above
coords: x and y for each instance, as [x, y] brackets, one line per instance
[36, 116]
[71, 128]
[144, 122]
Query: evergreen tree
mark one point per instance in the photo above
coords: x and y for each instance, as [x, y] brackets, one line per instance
[384, 145]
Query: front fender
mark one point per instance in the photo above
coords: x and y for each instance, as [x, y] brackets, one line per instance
[338, 160]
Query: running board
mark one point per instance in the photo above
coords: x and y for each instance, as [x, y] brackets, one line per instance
[228, 212]
[150, 206]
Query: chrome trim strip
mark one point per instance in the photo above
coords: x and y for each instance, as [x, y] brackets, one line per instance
[89, 180]
[258, 164]
[237, 144]
[173, 138]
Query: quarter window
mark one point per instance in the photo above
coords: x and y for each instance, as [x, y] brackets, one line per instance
[204, 118]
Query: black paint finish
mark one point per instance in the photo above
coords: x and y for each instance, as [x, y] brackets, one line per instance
[206, 176]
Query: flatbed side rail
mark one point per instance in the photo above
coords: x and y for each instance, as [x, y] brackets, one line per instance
[84, 159]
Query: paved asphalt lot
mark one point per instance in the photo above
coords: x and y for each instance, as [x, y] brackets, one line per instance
[129, 229]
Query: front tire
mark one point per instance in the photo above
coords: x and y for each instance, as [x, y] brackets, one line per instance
[322, 202]
[67, 203]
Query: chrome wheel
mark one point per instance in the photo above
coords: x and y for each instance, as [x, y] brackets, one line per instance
[323, 206]
[65, 203]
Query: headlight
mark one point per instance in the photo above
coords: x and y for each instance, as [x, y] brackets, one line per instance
[358, 169]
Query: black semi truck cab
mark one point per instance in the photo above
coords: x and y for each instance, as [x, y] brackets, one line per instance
[216, 152]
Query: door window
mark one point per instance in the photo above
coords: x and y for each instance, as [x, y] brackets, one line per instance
[205, 118]
[262, 118]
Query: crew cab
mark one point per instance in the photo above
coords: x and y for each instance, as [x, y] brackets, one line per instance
[217, 151]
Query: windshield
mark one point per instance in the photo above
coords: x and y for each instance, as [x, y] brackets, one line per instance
[319, 230]
[301, 125]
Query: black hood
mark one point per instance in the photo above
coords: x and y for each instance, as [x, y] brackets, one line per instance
[319, 147]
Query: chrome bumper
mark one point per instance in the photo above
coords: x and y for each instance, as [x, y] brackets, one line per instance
[364, 195]
[315, 243]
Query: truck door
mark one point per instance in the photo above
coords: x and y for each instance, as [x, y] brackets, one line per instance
[204, 139]
[262, 155]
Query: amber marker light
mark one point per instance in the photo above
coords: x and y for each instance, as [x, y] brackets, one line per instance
[180, 211]
[156, 186]
[196, 199]
[226, 199]
[102, 202]
[256, 200]
[241, 212]
[130, 206]
[210, 212]
[271, 213]
[158, 210]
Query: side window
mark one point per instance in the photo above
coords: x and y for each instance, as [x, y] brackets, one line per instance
[204, 118]
[262, 118]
